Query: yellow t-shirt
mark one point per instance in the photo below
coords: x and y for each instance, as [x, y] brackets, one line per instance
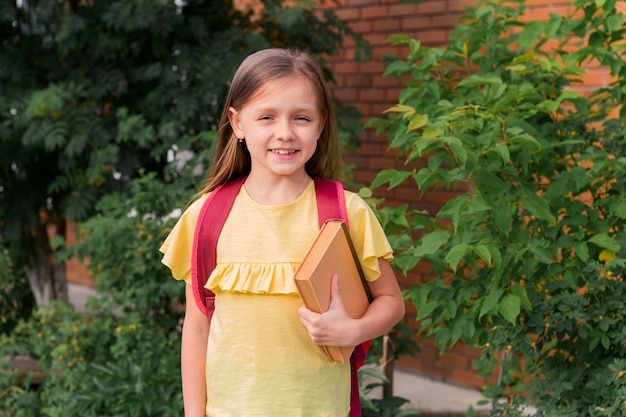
[260, 359]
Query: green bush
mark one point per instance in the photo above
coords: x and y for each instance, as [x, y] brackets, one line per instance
[16, 300]
[109, 112]
[121, 356]
[528, 256]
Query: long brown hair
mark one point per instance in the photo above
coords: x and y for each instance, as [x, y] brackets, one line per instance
[232, 159]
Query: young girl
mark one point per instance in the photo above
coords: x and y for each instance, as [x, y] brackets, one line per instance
[262, 355]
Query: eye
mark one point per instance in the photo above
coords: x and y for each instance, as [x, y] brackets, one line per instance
[265, 117]
[303, 118]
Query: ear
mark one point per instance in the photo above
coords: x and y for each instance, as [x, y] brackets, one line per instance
[233, 118]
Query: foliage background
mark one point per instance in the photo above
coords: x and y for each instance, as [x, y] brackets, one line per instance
[529, 257]
[108, 112]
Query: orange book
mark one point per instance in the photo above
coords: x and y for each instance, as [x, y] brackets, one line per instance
[333, 253]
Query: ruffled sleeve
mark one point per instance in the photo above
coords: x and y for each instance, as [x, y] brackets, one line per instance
[179, 243]
[368, 236]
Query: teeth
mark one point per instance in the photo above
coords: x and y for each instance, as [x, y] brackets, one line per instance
[283, 151]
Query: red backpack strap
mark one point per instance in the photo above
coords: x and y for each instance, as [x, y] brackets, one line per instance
[208, 228]
[331, 204]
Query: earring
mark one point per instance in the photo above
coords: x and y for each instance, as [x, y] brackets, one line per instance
[241, 140]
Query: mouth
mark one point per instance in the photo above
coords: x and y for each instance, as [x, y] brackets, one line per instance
[284, 151]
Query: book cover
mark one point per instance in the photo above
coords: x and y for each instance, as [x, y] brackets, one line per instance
[332, 253]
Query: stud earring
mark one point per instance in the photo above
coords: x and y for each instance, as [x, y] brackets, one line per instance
[241, 140]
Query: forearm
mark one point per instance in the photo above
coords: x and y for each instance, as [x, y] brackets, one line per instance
[381, 316]
[193, 368]
[195, 337]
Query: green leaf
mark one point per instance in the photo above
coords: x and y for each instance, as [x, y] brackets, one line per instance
[454, 208]
[290, 17]
[426, 310]
[582, 251]
[397, 68]
[478, 204]
[398, 39]
[509, 307]
[568, 95]
[522, 294]
[496, 256]
[538, 207]
[502, 149]
[530, 33]
[418, 121]
[457, 148]
[537, 248]
[431, 243]
[392, 176]
[483, 253]
[490, 302]
[605, 241]
[552, 26]
[456, 254]
[615, 22]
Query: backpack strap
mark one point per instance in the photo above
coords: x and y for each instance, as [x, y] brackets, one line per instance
[331, 201]
[331, 204]
[208, 228]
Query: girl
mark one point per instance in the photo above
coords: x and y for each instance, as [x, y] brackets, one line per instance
[261, 355]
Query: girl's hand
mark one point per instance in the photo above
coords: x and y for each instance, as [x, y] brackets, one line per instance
[334, 327]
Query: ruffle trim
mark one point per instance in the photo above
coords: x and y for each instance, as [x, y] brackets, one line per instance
[254, 278]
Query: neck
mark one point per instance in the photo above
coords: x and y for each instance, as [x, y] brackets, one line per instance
[276, 192]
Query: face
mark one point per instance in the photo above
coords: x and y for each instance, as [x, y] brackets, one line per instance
[281, 125]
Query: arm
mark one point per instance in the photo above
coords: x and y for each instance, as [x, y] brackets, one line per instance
[193, 357]
[335, 327]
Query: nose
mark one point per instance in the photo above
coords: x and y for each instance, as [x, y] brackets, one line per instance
[284, 129]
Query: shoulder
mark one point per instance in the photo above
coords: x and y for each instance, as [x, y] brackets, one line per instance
[354, 202]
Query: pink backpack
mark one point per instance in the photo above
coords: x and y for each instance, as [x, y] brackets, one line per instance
[330, 205]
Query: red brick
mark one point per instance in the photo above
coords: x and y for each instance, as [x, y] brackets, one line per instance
[387, 25]
[348, 14]
[543, 13]
[596, 78]
[431, 7]
[346, 95]
[372, 67]
[460, 5]
[418, 22]
[378, 39]
[434, 37]
[469, 378]
[345, 67]
[370, 149]
[362, 26]
[402, 9]
[359, 80]
[378, 164]
[375, 11]
[446, 20]
[359, 2]
[451, 359]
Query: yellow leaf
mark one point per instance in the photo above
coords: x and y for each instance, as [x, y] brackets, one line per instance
[401, 108]
[606, 255]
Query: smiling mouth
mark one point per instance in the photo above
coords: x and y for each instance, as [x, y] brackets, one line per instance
[284, 151]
